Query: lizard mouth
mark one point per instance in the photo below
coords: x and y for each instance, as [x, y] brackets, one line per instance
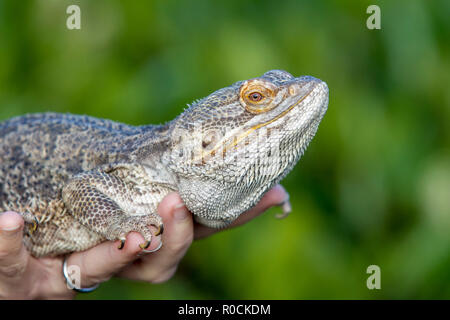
[236, 139]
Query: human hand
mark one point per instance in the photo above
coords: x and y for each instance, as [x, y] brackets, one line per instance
[25, 277]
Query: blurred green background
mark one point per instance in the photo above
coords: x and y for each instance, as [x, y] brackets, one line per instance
[374, 185]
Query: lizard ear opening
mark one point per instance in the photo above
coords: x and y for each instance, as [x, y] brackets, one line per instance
[258, 96]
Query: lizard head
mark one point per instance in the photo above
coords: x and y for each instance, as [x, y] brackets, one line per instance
[231, 147]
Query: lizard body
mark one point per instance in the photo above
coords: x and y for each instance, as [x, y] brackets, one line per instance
[85, 180]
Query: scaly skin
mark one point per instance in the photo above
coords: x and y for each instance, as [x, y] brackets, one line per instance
[85, 180]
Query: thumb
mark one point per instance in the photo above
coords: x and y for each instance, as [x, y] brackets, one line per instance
[13, 256]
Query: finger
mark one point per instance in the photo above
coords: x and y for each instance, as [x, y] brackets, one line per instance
[13, 255]
[275, 196]
[178, 235]
[101, 262]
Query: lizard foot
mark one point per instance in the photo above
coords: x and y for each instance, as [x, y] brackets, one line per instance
[139, 224]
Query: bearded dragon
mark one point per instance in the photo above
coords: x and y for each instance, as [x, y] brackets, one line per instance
[85, 180]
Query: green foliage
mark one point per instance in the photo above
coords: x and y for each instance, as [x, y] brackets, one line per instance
[373, 187]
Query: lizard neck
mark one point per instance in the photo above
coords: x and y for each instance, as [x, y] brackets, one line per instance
[149, 145]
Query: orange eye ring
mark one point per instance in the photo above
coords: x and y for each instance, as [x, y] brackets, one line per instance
[257, 95]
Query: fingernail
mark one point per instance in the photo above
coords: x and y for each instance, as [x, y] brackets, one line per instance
[9, 231]
[9, 225]
[286, 207]
[181, 212]
[286, 200]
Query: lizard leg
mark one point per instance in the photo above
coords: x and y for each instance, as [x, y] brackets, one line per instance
[100, 202]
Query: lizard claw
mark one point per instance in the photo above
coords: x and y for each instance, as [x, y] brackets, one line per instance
[160, 230]
[122, 244]
[145, 245]
[34, 223]
[286, 207]
[154, 250]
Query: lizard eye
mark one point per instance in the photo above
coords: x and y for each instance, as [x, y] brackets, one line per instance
[255, 96]
[258, 95]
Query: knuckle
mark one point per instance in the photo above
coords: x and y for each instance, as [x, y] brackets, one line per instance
[4, 254]
[180, 246]
[13, 270]
[163, 276]
[87, 277]
[8, 253]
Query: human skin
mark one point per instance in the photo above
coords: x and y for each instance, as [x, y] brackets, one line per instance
[23, 276]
